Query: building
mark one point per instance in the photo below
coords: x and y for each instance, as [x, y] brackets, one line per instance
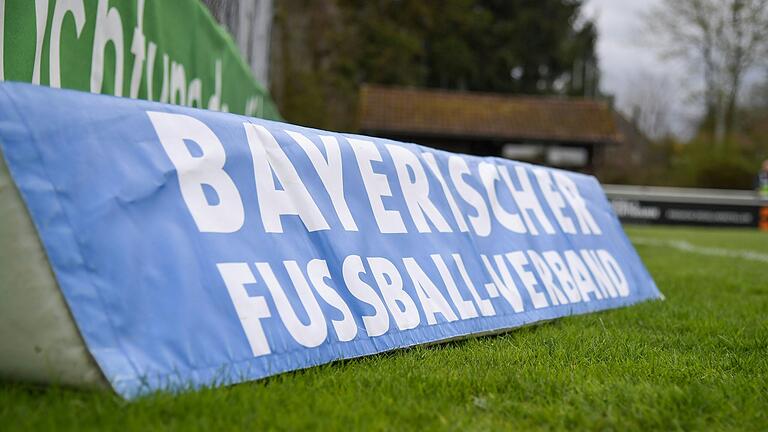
[568, 133]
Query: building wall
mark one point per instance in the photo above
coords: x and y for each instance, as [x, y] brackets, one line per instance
[491, 147]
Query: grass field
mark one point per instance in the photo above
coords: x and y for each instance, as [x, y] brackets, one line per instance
[698, 360]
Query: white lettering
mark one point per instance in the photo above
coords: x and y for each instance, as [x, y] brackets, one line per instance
[293, 199]
[554, 200]
[137, 49]
[465, 307]
[556, 296]
[596, 267]
[377, 186]
[194, 172]
[109, 28]
[526, 200]
[41, 20]
[581, 276]
[485, 305]
[62, 8]
[416, 190]
[519, 262]
[194, 93]
[378, 323]
[391, 287]
[578, 205]
[250, 310]
[563, 276]
[431, 162]
[309, 335]
[346, 328]
[481, 221]
[330, 172]
[432, 301]
[178, 84]
[613, 269]
[489, 175]
[504, 284]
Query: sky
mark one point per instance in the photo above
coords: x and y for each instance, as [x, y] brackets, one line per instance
[628, 62]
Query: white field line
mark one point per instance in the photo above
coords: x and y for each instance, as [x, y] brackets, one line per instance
[702, 250]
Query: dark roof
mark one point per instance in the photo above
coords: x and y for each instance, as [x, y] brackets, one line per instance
[423, 112]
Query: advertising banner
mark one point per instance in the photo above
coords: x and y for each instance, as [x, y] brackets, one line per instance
[203, 248]
[167, 51]
[687, 206]
[651, 211]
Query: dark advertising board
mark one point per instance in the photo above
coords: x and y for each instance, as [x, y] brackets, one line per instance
[696, 207]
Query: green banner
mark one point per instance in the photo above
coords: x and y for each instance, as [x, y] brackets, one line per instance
[167, 51]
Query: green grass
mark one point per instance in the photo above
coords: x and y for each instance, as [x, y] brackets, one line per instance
[698, 360]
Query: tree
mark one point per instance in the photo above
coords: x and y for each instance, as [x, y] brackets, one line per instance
[524, 46]
[324, 49]
[647, 103]
[724, 39]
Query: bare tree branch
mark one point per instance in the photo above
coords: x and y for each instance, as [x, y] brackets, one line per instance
[721, 40]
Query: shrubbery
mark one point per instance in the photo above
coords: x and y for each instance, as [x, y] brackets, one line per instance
[698, 163]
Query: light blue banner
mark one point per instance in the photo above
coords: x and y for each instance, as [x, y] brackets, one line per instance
[201, 248]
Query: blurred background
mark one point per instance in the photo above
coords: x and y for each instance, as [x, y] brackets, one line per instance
[651, 92]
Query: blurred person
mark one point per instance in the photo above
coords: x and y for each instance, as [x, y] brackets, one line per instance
[761, 182]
